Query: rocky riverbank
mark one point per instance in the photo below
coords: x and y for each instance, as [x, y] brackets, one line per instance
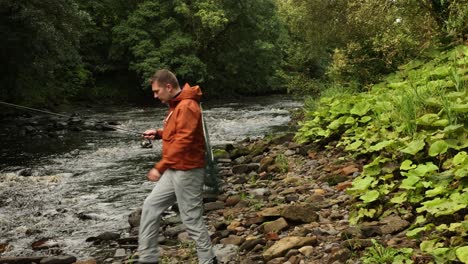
[280, 202]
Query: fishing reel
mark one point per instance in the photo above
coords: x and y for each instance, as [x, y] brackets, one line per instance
[146, 143]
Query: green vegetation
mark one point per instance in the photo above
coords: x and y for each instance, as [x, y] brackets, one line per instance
[413, 129]
[379, 254]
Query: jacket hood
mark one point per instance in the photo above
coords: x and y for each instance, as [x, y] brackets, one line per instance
[188, 92]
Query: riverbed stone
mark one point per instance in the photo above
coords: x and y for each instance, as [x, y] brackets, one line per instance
[213, 206]
[58, 260]
[233, 239]
[307, 251]
[393, 224]
[275, 226]
[305, 213]
[283, 245]
[226, 252]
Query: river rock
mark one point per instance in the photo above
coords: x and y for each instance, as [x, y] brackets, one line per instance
[213, 206]
[175, 230]
[275, 226]
[305, 213]
[44, 243]
[393, 224]
[307, 251]
[272, 211]
[232, 239]
[225, 253]
[134, 218]
[20, 260]
[251, 243]
[232, 200]
[58, 260]
[287, 243]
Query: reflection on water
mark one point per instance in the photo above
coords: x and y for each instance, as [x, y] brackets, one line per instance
[101, 174]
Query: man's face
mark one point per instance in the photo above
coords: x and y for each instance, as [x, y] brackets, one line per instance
[161, 92]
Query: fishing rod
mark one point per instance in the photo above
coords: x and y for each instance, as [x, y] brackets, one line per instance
[70, 117]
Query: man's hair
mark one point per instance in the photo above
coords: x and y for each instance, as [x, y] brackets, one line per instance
[164, 77]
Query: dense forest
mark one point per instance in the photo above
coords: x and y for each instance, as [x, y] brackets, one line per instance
[56, 52]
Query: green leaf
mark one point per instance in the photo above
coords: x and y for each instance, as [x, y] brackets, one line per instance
[460, 158]
[407, 165]
[437, 148]
[409, 182]
[414, 147]
[365, 119]
[462, 254]
[370, 196]
[436, 191]
[428, 246]
[427, 119]
[459, 108]
[354, 146]
[379, 146]
[360, 108]
[362, 184]
[441, 123]
[399, 199]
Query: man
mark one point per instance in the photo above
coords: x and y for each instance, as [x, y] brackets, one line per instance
[179, 174]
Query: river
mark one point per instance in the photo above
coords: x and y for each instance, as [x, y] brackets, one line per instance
[85, 183]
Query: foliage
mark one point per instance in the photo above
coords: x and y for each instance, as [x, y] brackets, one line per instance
[339, 42]
[413, 127]
[379, 254]
[204, 41]
[282, 162]
[40, 59]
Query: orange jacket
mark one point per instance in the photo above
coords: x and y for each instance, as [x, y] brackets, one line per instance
[183, 143]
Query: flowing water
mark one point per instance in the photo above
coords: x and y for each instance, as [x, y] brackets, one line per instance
[85, 183]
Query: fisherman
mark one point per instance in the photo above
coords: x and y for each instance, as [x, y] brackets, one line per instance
[179, 174]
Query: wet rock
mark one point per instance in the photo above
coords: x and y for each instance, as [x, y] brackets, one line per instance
[86, 261]
[120, 253]
[272, 211]
[104, 237]
[254, 220]
[307, 251]
[213, 206]
[20, 260]
[58, 260]
[226, 253]
[287, 243]
[4, 247]
[232, 200]
[275, 226]
[349, 170]
[341, 255]
[25, 172]
[393, 224]
[44, 243]
[305, 213]
[351, 232]
[265, 163]
[173, 220]
[173, 231]
[251, 243]
[134, 218]
[259, 192]
[232, 239]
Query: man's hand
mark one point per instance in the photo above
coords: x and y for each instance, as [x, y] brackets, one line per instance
[150, 134]
[153, 175]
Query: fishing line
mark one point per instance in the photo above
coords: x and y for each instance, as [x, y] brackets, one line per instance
[70, 117]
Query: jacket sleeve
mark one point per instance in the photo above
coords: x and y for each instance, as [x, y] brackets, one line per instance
[187, 118]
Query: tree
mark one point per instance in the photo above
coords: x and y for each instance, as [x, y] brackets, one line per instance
[216, 43]
[40, 59]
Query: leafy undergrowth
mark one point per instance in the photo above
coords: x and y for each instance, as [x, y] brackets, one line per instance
[413, 128]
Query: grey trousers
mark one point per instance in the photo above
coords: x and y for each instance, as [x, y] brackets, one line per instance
[186, 188]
